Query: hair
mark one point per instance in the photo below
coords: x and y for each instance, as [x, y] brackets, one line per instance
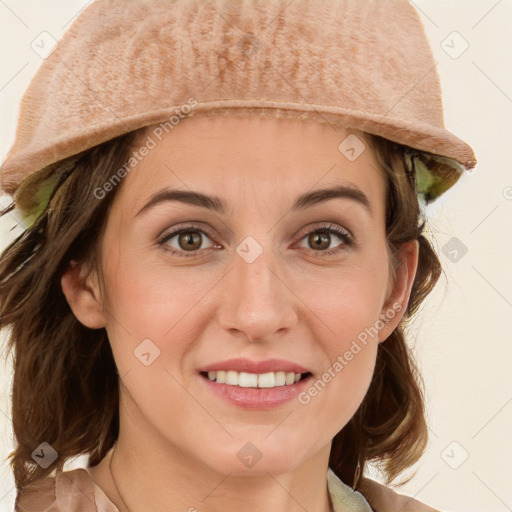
[65, 381]
[389, 427]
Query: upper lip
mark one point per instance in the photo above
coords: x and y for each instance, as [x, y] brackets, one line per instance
[246, 365]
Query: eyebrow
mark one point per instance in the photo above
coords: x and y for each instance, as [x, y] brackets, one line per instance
[218, 205]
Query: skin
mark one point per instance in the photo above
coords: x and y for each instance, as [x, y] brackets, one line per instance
[178, 442]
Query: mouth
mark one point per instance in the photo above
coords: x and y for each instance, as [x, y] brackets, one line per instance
[258, 385]
[255, 380]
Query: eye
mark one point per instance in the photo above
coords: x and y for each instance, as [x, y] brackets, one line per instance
[188, 239]
[320, 239]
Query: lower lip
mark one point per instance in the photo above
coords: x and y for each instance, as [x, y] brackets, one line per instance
[257, 398]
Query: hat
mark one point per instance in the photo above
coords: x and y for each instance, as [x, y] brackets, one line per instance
[127, 64]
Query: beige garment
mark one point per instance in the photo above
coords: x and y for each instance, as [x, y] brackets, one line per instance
[123, 65]
[75, 491]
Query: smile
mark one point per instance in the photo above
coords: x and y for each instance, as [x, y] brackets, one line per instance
[254, 380]
[257, 391]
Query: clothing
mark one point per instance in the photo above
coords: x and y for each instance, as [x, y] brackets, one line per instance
[75, 491]
[121, 66]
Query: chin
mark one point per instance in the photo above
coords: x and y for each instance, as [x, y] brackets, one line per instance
[258, 457]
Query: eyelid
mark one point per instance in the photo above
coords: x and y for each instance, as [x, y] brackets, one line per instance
[349, 241]
[341, 232]
[178, 229]
[325, 225]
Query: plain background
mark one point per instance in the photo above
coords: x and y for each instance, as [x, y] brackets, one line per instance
[462, 336]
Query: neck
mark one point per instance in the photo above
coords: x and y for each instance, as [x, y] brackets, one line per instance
[154, 485]
[153, 475]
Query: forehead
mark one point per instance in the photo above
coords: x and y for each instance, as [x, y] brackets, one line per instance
[242, 158]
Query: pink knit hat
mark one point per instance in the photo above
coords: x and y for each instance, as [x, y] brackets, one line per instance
[126, 64]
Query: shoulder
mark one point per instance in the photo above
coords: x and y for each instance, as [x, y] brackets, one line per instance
[385, 499]
[68, 491]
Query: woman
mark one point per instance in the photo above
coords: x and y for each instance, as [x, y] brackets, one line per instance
[224, 209]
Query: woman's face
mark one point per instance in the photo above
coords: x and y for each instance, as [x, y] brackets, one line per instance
[257, 279]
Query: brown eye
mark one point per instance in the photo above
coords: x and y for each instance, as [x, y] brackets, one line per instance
[319, 240]
[189, 240]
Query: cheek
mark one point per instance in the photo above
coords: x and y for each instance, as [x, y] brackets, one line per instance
[175, 306]
[157, 320]
[345, 309]
[172, 305]
[152, 301]
[350, 343]
[345, 301]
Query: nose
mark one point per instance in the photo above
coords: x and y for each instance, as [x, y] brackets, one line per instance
[257, 302]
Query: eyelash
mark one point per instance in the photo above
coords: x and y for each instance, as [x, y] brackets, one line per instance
[340, 233]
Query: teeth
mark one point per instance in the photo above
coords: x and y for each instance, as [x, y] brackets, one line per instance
[247, 380]
[254, 380]
[266, 380]
[290, 378]
[280, 379]
[232, 378]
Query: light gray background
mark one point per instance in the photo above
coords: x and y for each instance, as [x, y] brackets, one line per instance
[463, 334]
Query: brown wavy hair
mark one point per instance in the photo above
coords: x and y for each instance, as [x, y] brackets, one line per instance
[65, 382]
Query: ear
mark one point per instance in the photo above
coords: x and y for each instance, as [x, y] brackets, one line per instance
[82, 294]
[398, 298]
